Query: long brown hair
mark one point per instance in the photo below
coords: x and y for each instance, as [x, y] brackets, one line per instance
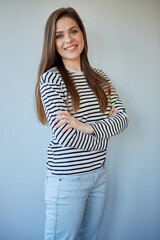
[51, 58]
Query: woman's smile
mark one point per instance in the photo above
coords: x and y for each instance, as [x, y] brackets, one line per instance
[69, 41]
[71, 48]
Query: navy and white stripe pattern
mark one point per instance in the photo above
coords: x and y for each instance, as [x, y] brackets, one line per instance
[74, 152]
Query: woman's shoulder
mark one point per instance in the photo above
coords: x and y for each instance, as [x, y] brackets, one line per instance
[51, 76]
[102, 73]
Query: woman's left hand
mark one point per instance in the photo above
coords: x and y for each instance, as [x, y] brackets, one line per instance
[63, 117]
[111, 113]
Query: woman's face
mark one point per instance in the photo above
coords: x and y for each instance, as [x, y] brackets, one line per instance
[69, 40]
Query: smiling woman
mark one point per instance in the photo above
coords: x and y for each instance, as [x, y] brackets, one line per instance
[69, 42]
[84, 111]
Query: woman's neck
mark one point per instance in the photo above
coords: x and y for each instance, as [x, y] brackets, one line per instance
[74, 65]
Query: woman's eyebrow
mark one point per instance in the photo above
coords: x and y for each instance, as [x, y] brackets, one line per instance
[73, 27]
[68, 29]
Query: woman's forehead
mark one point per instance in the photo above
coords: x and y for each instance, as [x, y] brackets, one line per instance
[65, 23]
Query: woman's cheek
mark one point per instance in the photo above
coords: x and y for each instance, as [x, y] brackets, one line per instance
[58, 44]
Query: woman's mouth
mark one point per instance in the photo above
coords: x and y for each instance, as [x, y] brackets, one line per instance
[71, 48]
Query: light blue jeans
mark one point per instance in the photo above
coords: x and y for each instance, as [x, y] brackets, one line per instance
[75, 205]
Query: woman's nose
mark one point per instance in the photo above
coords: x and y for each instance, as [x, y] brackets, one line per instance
[68, 38]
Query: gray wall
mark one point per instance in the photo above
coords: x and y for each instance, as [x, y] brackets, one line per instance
[124, 41]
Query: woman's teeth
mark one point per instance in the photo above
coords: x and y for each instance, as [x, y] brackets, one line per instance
[70, 48]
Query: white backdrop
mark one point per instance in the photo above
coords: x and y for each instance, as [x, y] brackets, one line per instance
[124, 41]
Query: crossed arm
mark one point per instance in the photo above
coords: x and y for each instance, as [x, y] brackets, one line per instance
[63, 117]
[69, 131]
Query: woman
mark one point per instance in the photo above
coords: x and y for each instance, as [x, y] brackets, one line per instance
[84, 111]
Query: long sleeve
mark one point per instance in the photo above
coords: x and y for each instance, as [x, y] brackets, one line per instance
[113, 125]
[53, 100]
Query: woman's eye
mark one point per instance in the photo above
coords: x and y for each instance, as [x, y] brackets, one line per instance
[59, 36]
[74, 31]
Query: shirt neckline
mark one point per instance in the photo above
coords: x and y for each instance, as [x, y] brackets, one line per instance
[74, 71]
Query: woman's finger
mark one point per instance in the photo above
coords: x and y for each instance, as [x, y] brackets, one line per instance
[60, 117]
[112, 111]
[62, 122]
[63, 113]
[66, 128]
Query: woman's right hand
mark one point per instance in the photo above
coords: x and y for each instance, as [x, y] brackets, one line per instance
[64, 117]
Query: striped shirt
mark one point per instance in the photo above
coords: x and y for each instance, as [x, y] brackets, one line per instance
[74, 152]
